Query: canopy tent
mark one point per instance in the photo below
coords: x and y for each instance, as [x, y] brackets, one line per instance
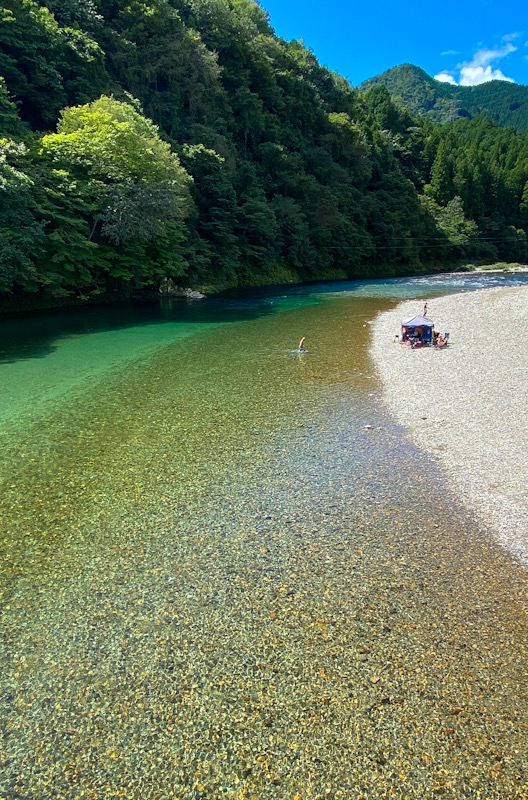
[418, 322]
[421, 327]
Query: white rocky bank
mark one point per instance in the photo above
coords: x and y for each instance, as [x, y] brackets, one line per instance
[467, 405]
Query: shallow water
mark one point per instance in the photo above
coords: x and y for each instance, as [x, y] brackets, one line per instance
[217, 582]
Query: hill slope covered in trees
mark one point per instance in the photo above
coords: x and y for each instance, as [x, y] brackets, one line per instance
[501, 101]
[182, 138]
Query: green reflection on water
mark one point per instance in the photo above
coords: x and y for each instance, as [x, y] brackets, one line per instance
[217, 582]
[183, 412]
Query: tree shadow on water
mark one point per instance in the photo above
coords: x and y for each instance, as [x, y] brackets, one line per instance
[36, 334]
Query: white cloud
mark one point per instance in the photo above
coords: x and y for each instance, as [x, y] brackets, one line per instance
[473, 76]
[451, 52]
[445, 77]
[485, 56]
[481, 68]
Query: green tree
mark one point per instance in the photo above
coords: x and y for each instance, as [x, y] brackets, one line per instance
[10, 123]
[125, 187]
[441, 186]
[46, 66]
[213, 241]
[134, 175]
[21, 233]
[523, 207]
[452, 221]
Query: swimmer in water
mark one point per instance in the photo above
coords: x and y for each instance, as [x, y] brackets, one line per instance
[302, 348]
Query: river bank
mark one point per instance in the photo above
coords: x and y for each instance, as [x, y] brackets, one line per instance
[465, 405]
[26, 304]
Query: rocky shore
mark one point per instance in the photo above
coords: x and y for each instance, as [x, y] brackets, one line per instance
[466, 405]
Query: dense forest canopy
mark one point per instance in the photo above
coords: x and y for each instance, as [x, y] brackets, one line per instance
[502, 101]
[184, 139]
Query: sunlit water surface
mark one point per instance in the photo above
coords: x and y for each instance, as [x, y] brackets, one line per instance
[226, 572]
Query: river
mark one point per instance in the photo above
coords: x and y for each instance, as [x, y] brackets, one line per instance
[226, 571]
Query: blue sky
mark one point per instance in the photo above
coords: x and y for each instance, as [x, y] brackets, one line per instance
[460, 42]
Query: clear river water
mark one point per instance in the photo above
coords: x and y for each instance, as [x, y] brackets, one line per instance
[227, 573]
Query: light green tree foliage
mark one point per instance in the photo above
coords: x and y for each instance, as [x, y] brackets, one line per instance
[11, 176]
[126, 162]
[460, 233]
[126, 185]
[452, 221]
[112, 142]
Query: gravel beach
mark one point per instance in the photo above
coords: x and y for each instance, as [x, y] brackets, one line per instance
[466, 404]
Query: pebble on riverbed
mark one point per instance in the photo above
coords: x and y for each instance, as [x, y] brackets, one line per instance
[194, 610]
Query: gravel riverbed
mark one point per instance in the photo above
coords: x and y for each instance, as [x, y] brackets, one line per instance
[466, 404]
[228, 575]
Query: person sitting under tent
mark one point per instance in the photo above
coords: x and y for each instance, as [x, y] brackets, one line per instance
[417, 329]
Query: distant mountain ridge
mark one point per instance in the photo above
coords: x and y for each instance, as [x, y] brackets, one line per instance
[504, 102]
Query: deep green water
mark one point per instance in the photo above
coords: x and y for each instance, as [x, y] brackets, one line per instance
[216, 582]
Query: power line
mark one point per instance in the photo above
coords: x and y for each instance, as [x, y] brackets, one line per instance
[421, 242]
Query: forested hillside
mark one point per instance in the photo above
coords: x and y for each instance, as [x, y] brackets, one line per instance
[501, 101]
[182, 138]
